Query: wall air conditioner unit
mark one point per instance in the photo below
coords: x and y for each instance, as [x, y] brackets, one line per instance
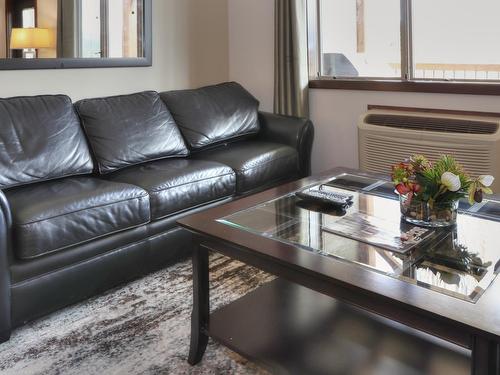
[388, 136]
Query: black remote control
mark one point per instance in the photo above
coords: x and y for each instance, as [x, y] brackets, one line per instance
[325, 197]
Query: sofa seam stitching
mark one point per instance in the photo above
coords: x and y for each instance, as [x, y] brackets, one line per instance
[175, 213]
[83, 261]
[83, 209]
[156, 191]
[135, 226]
[50, 179]
[265, 187]
[267, 162]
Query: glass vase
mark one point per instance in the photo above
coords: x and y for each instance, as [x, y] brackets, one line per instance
[440, 214]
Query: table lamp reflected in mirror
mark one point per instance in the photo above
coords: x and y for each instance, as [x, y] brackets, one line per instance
[30, 40]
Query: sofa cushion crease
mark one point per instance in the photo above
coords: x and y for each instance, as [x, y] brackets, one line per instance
[255, 162]
[52, 216]
[178, 184]
[22, 270]
[214, 114]
[40, 139]
[131, 129]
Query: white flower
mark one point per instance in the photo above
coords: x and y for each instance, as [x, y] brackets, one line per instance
[451, 181]
[486, 180]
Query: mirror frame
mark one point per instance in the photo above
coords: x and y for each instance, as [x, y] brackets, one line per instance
[71, 63]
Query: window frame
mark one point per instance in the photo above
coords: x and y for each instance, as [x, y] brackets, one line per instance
[405, 83]
[75, 62]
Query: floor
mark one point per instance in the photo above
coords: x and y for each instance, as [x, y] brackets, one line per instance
[140, 328]
[143, 328]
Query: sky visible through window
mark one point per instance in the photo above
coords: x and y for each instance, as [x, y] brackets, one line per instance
[452, 39]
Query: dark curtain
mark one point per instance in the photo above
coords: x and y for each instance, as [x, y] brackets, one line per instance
[291, 72]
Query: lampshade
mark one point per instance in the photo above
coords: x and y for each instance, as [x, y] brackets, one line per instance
[32, 37]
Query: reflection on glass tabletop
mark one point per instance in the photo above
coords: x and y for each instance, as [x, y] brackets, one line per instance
[461, 261]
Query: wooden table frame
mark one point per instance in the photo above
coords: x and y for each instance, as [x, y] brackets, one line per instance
[472, 326]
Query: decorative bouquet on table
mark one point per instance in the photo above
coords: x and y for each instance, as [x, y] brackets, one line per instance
[430, 192]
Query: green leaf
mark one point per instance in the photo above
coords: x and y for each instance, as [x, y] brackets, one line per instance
[487, 190]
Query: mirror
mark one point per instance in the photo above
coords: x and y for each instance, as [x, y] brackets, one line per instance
[38, 34]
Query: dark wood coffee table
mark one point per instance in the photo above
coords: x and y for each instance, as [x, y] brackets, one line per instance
[453, 298]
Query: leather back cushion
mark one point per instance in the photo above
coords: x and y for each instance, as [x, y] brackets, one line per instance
[40, 139]
[213, 114]
[130, 129]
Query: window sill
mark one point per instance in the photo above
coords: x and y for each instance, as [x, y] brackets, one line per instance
[409, 86]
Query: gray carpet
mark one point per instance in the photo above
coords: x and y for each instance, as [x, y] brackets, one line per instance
[144, 328]
[140, 328]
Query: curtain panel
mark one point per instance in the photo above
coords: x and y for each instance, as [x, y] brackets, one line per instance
[291, 77]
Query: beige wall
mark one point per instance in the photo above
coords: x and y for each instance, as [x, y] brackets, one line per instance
[47, 18]
[335, 112]
[251, 47]
[3, 27]
[190, 48]
[209, 47]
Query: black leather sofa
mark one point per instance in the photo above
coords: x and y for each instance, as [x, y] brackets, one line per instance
[90, 193]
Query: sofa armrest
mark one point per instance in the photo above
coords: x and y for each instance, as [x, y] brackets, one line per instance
[5, 253]
[292, 131]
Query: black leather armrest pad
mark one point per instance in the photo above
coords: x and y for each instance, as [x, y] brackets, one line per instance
[293, 131]
[5, 233]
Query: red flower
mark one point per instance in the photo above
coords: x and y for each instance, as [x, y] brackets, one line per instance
[402, 189]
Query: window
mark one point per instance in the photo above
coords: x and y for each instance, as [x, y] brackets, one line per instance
[28, 21]
[90, 28]
[109, 28]
[463, 47]
[360, 38]
[405, 41]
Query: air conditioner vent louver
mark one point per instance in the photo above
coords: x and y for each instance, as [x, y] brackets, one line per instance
[434, 124]
[385, 152]
[387, 137]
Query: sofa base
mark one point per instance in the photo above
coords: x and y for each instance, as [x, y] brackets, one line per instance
[42, 295]
[37, 295]
[4, 336]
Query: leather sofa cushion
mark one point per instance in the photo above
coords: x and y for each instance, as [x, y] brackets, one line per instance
[55, 215]
[40, 139]
[213, 114]
[179, 184]
[130, 129]
[257, 164]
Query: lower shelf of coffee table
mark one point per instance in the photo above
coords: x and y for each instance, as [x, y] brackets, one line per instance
[290, 329]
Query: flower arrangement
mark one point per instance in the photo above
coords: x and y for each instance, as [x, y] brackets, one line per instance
[430, 191]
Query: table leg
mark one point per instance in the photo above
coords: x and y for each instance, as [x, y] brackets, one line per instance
[485, 357]
[201, 305]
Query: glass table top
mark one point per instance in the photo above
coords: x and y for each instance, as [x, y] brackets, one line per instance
[461, 261]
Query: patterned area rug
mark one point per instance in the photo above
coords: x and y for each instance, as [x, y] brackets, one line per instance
[140, 328]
